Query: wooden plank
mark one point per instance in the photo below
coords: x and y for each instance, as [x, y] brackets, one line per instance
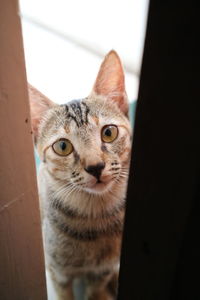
[161, 252]
[22, 273]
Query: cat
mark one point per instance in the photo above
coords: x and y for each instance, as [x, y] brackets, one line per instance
[84, 147]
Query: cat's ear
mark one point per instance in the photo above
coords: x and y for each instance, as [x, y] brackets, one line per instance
[110, 81]
[39, 104]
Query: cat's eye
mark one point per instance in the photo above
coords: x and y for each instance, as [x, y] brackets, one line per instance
[109, 133]
[62, 147]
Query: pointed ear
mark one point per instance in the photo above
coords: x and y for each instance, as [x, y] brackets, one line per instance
[110, 81]
[39, 104]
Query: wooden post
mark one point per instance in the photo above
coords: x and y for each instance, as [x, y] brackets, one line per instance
[22, 272]
[161, 245]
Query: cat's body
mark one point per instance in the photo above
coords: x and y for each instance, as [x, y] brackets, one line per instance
[84, 147]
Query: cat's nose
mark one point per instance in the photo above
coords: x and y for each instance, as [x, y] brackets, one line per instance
[95, 170]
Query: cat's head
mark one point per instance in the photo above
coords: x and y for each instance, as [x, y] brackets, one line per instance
[86, 143]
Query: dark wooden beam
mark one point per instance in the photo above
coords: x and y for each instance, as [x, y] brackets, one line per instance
[160, 251]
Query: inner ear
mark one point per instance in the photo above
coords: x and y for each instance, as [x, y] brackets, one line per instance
[39, 104]
[110, 81]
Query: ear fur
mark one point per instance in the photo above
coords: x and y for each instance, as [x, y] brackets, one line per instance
[110, 81]
[39, 104]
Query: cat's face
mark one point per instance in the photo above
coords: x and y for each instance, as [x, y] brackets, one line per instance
[86, 144]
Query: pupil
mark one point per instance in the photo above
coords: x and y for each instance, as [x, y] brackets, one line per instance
[108, 132]
[63, 145]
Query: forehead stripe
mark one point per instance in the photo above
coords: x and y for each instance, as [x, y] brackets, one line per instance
[76, 107]
[78, 111]
[87, 110]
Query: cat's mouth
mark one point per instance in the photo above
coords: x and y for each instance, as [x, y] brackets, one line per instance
[98, 185]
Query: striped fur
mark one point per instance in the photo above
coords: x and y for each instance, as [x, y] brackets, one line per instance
[82, 216]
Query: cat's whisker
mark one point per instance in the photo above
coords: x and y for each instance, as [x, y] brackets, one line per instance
[68, 188]
[118, 178]
[123, 174]
[62, 190]
[58, 185]
[73, 189]
[58, 194]
[125, 169]
[56, 189]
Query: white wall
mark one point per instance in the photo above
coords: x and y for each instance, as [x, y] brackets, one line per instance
[61, 69]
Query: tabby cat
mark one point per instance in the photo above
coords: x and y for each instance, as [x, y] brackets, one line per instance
[84, 147]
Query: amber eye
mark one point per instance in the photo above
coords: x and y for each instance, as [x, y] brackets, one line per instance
[109, 133]
[62, 147]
